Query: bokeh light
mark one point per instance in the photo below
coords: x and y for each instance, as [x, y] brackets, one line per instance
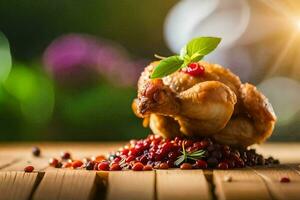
[188, 19]
[34, 93]
[284, 94]
[298, 24]
[74, 56]
[5, 58]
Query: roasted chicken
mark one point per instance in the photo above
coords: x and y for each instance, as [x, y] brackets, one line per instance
[215, 104]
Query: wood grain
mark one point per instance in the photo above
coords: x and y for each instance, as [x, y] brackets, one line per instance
[17, 185]
[66, 184]
[244, 184]
[6, 161]
[181, 184]
[131, 185]
[279, 190]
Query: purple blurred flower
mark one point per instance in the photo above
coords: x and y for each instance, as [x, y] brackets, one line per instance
[75, 54]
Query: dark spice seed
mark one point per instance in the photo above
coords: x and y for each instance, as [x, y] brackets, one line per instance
[90, 165]
[36, 151]
[65, 155]
[212, 162]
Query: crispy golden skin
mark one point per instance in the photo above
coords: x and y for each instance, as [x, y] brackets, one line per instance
[216, 104]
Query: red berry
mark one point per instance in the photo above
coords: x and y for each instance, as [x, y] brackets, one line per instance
[117, 160]
[163, 166]
[133, 152]
[223, 165]
[103, 166]
[186, 166]
[194, 69]
[166, 147]
[67, 165]
[143, 159]
[138, 166]
[198, 145]
[53, 162]
[201, 164]
[187, 143]
[230, 163]
[99, 158]
[173, 155]
[285, 180]
[76, 164]
[125, 152]
[115, 167]
[65, 155]
[29, 169]
[147, 168]
[130, 158]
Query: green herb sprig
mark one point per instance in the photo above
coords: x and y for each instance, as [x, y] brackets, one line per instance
[195, 155]
[193, 51]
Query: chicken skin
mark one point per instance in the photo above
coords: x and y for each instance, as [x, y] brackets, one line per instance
[215, 104]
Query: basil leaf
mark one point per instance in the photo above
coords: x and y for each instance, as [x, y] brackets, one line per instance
[167, 66]
[202, 45]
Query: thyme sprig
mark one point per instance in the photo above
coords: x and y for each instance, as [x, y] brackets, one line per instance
[195, 155]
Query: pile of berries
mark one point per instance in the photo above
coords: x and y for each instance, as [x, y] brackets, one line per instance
[154, 152]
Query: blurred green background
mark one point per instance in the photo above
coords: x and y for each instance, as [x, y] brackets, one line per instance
[68, 69]
[42, 100]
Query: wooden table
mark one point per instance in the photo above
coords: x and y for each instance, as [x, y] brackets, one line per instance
[50, 183]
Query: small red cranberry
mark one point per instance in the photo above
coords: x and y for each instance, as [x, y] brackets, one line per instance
[65, 155]
[117, 160]
[186, 166]
[99, 158]
[67, 165]
[201, 164]
[172, 155]
[53, 162]
[76, 164]
[130, 158]
[147, 168]
[223, 165]
[138, 166]
[188, 143]
[285, 180]
[115, 167]
[125, 152]
[163, 166]
[103, 166]
[29, 169]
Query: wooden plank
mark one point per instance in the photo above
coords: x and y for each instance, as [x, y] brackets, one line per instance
[278, 190]
[131, 185]
[17, 185]
[182, 184]
[66, 184]
[244, 184]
